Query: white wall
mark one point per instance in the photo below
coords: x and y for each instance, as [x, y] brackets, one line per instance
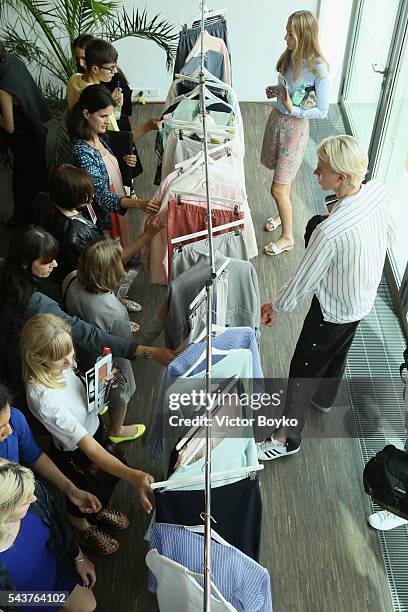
[256, 32]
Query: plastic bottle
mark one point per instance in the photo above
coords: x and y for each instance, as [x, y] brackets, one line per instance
[299, 94]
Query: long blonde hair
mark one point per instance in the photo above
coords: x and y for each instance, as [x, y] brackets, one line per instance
[307, 47]
[16, 487]
[100, 266]
[44, 338]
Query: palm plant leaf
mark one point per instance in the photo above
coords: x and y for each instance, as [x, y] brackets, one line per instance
[159, 30]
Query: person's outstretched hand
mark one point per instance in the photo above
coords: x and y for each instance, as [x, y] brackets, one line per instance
[268, 315]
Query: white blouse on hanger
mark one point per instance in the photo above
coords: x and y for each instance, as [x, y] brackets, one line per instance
[178, 588]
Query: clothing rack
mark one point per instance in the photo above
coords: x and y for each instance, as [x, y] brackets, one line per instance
[210, 289]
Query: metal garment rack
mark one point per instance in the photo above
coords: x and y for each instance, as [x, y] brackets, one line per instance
[210, 292]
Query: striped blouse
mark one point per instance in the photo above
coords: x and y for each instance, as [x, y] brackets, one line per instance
[345, 258]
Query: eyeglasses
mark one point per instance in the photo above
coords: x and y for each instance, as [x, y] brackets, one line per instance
[111, 70]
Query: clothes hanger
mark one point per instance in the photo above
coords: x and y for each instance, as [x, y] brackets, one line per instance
[179, 483]
[188, 128]
[204, 233]
[214, 535]
[216, 330]
[200, 156]
[231, 383]
[210, 79]
[194, 194]
[214, 351]
[203, 293]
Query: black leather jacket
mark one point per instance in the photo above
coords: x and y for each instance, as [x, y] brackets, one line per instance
[72, 233]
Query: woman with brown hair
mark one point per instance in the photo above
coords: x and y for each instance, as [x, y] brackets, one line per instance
[91, 296]
[304, 97]
[57, 398]
[66, 213]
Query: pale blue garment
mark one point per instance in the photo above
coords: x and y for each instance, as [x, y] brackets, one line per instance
[213, 61]
[188, 110]
[238, 363]
[232, 338]
[319, 81]
[230, 454]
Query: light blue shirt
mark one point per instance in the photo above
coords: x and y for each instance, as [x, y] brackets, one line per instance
[320, 82]
[241, 580]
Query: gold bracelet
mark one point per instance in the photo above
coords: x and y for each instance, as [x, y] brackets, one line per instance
[79, 560]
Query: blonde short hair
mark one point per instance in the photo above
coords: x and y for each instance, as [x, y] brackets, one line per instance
[100, 266]
[345, 155]
[16, 487]
[44, 338]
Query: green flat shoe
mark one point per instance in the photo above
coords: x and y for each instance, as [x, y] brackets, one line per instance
[140, 429]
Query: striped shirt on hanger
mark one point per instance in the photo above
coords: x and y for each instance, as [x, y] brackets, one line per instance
[345, 258]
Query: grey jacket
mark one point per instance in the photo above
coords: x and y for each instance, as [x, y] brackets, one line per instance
[84, 335]
[243, 303]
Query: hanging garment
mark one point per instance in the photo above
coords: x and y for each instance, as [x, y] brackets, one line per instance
[181, 149]
[232, 338]
[231, 244]
[236, 508]
[188, 37]
[189, 215]
[243, 305]
[237, 362]
[211, 44]
[178, 589]
[121, 225]
[214, 61]
[231, 453]
[225, 181]
[242, 581]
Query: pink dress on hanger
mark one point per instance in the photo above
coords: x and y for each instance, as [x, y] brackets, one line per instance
[121, 225]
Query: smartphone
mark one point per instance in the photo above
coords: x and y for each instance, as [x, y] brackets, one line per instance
[282, 81]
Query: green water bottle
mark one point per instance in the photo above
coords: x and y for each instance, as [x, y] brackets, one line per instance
[299, 94]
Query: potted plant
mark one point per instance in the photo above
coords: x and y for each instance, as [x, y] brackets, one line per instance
[40, 32]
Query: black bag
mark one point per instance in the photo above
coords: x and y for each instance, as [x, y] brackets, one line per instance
[385, 479]
[122, 144]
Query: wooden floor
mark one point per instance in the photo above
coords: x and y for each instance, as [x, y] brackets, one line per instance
[316, 544]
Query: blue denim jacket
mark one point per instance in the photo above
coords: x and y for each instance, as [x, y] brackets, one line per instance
[87, 158]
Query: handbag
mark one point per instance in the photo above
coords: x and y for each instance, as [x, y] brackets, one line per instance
[309, 99]
[385, 479]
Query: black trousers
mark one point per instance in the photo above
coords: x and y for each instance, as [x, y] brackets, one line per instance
[30, 175]
[317, 365]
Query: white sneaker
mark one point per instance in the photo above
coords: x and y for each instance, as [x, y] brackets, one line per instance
[385, 520]
[272, 449]
[320, 408]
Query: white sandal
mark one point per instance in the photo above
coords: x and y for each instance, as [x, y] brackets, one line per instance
[271, 224]
[272, 249]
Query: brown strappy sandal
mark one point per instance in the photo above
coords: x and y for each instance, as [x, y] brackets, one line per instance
[113, 519]
[98, 541]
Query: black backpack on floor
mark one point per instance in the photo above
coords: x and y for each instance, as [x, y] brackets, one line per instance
[385, 479]
[386, 475]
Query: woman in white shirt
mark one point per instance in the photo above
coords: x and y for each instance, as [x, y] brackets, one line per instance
[57, 397]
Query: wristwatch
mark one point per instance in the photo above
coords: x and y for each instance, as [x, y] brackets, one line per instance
[146, 353]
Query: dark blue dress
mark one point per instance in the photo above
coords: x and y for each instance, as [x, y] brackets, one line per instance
[31, 564]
